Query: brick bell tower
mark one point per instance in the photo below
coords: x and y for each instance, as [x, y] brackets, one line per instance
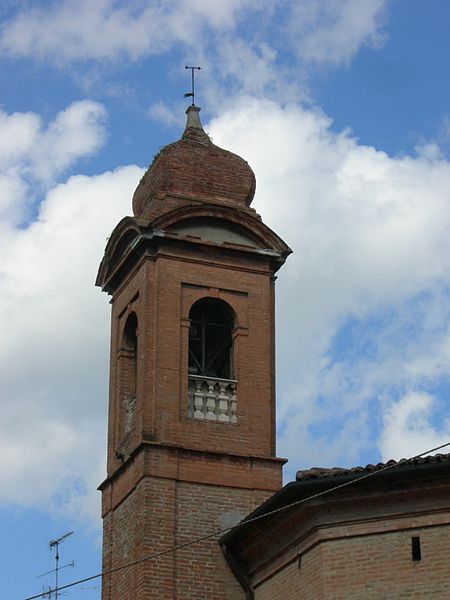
[191, 435]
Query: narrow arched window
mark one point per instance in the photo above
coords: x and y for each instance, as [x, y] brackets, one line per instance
[128, 371]
[210, 339]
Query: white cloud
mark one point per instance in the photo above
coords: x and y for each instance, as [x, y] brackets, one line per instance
[76, 131]
[69, 30]
[332, 31]
[161, 112]
[434, 148]
[54, 348]
[407, 427]
[235, 40]
[371, 264]
[12, 194]
[216, 13]
[53, 359]
[18, 134]
[34, 155]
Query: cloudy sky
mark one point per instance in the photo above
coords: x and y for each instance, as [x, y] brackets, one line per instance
[342, 109]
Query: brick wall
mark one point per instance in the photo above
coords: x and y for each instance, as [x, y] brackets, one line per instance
[172, 478]
[374, 566]
[194, 167]
[161, 293]
[160, 514]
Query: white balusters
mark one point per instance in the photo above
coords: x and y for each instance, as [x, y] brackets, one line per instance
[211, 402]
[233, 406]
[223, 414]
[212, 399]
[198, 401]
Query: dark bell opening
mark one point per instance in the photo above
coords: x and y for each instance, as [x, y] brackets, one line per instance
[210, 339]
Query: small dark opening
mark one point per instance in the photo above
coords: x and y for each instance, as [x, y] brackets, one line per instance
[129, 363]
[130, 332]
[210, 339]
[415, 548]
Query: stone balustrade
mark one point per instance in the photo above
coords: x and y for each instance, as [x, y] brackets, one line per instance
[212, 399]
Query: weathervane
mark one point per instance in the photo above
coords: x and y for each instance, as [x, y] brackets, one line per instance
[192, 94]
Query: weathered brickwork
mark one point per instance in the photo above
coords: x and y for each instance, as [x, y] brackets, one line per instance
[196, 168]
[180, 467]
[200, 511]
[370, 567]
[170, 285]
[160, 514]
[141, 525]
[172, 478]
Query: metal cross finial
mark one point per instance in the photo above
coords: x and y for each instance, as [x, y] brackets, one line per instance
[192, 94]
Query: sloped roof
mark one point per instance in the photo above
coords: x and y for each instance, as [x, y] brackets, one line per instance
[315, 481]
[315, 473]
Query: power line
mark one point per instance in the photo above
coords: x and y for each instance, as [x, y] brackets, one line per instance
[246, 521]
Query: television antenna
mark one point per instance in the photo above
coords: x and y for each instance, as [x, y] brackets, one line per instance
[55, 544]
[71, 564]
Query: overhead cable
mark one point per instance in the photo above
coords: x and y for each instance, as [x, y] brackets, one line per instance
[357, 479]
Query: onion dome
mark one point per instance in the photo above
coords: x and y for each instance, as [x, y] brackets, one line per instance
[194, 169]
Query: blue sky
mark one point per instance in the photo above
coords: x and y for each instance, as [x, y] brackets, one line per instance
[341, 107]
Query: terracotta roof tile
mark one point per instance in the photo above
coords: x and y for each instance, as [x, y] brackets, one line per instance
[328, 473]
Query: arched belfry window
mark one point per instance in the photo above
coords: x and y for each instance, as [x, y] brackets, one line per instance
[130, 332]
[212, 389]
[210, 339]
[128, 370]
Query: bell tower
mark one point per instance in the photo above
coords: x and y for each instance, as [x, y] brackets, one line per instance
[191, 434]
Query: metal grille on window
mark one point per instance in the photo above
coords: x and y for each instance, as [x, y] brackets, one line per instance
[209, 348]
[212, 392]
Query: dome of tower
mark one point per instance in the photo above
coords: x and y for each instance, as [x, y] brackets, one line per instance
[195, 169]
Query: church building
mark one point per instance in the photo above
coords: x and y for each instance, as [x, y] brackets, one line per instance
[191, 431]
